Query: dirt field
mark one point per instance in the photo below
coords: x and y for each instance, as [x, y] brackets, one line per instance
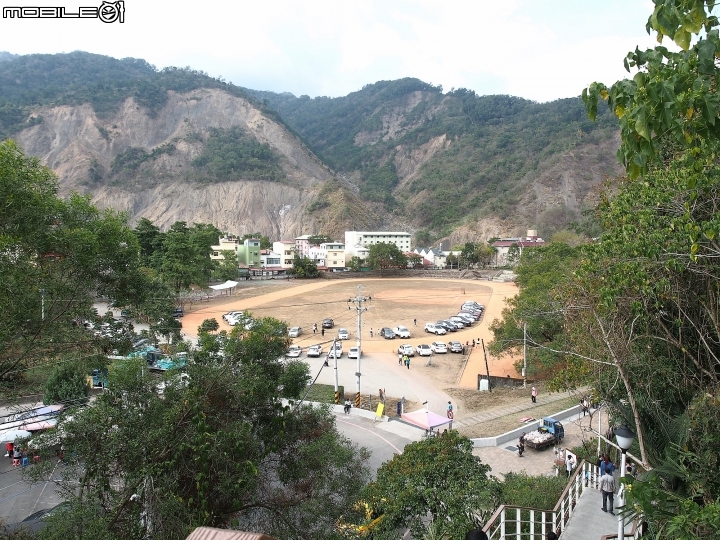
[392, 302]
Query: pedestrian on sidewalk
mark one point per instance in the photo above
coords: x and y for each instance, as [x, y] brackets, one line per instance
[407, 362]
[322, 331]
[584, 405]
[450, 413]
[533, 395]
[607, 488]
[521, 444]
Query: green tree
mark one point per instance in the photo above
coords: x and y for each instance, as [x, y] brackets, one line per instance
[384, 256]
[186, 254]
[67, 384]
[415, 260]
[452, 261]
[218, 447]
[149, 237]
[56, 255]
[485, 254]
[226, 268]
[208, 325]
[438, 478]
[355, 263]
[469, 255]
[304, 267]
[513, 255]
[317, 239]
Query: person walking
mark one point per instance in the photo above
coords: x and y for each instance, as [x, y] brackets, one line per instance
[371, 334]
[314, 328]
[607, 488]
[569, 464]
[407, 362]
[521, 444]
[322, 331]
[415, 322]
[584, 405]
[606, 465]
[450, 413]
[533, 395]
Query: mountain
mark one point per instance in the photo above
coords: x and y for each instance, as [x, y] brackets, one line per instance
[4, 56]
[176, 144]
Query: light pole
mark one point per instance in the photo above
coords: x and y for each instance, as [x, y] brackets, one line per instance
[625, 438]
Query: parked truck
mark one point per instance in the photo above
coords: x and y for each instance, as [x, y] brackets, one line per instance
[549, 433]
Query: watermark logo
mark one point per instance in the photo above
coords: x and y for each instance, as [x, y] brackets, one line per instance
[108, 12]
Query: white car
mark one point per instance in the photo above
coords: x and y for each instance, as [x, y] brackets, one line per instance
[353, 353]
[337, 352]
[295, 331]
[314, 350]
[402, 331]
[424, 350]
[294, 351]
[343, 334]
[460, 320]
[438, 347]
[435, 329]
[406, 349]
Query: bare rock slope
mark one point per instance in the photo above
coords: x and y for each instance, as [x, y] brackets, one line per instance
[71, 140]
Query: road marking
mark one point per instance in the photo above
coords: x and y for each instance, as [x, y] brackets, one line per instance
[371, 431]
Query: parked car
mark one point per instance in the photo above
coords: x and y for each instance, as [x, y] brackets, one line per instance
[295, 331]
[314, 351]
[467, 317]
[328, 323]
[178, 312]
[402, 332]
[424, 350]
[473, 304]
[343, 334]
[387, 333]
[460, 320]
[353, 353]
[406, 349]
[474, 314]
[232, 315]
[435, 329]
[455, 347]
[294, 351]
[447, 326]
[458, 325]
[337, 351]
[438, 347]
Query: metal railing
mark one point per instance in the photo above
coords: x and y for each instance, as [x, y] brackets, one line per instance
[523, 523]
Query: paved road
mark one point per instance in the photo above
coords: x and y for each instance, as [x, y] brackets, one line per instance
[18, 498]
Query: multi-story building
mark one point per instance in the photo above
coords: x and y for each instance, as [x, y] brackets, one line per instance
[286, 250]
[226, 243]
[302, 245]
[328, 255]
[248, 253]
[359, 242]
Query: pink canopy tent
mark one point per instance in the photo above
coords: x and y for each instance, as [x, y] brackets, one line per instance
[425, 419]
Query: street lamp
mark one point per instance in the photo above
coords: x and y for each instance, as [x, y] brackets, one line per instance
[625, 438]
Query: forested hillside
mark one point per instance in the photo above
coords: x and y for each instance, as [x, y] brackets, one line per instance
[492, 147]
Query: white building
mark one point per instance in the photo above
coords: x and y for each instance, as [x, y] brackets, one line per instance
[357, 243]
[328, 255]
[270, 259]
[302, 245]
[286, 250]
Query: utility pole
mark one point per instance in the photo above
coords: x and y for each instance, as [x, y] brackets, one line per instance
[358, 301]
[524, 372]
[337, 387]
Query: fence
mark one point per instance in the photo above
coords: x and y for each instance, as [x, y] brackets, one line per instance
[522, 523]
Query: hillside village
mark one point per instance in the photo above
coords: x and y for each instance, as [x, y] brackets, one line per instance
[253, 260]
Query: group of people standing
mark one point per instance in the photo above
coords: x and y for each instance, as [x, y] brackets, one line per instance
[404, 359]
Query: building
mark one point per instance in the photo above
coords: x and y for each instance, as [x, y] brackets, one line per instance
[358, 243]
[302, 245]
[226, 243]
[248, 253]
[502, 246]
[328, 255]
[286, 250]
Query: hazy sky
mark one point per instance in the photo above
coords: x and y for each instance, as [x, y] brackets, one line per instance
[530, 48]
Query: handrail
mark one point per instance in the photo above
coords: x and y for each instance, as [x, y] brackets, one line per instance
[537, 523]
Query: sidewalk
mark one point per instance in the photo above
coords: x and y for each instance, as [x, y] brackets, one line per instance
[499, 412]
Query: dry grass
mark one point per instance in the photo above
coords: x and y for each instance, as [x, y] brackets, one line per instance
[509, 422]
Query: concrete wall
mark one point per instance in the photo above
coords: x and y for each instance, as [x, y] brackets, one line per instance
[531, 426]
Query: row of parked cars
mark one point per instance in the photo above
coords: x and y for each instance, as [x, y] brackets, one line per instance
[470, 312]
[315, 351]
[234, 318]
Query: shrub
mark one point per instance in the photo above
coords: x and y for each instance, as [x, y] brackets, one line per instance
[67, 384]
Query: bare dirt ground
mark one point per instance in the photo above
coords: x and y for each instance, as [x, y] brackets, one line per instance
[392, 302]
